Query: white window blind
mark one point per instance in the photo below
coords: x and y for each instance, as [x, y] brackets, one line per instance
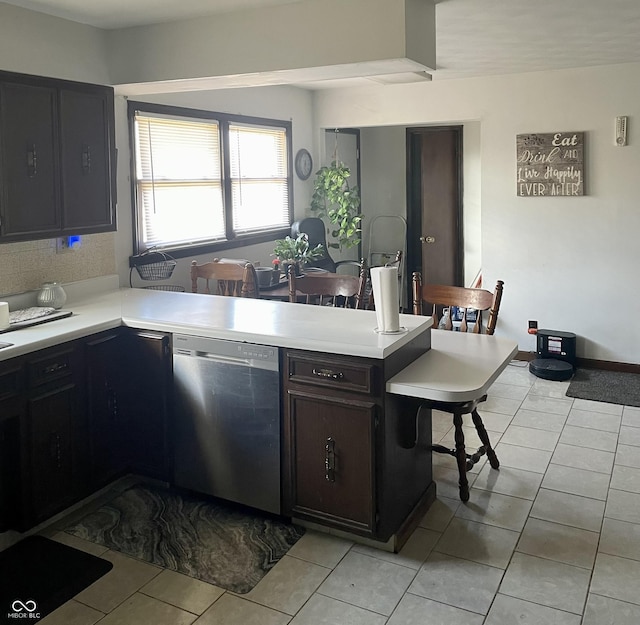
[258, 172]
[179, 181]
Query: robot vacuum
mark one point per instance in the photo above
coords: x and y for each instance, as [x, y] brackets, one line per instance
[551, 369]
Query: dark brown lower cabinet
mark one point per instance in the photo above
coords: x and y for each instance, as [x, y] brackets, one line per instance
[53, 431]
[146, 399]
[107, 425]
[76, 416]
[12, 454]
[129, 395]
[332, 451]
[353, 459]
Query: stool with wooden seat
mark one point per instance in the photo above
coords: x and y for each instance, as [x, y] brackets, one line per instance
[479, 300]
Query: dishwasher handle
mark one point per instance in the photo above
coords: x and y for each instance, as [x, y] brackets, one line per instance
[269, 365]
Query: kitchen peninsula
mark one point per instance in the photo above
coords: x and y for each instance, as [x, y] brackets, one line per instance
[352, 458]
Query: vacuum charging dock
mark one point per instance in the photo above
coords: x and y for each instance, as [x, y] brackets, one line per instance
[556, 355]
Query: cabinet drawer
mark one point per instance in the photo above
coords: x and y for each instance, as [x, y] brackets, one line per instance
[50, 368]
[336, 374]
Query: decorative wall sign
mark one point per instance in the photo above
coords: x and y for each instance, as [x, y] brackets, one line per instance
[550, 164]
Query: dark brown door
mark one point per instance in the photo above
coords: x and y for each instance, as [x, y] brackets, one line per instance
[434, 219]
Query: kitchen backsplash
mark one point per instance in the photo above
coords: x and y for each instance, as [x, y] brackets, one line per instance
[25, 266]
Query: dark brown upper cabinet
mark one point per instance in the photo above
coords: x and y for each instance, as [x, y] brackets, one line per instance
[57, 158]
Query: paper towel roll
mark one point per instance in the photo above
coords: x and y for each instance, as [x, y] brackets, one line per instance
[384, 282]
[4, 315]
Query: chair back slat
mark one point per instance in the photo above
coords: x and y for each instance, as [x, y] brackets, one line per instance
[329, 290]
[438, 295]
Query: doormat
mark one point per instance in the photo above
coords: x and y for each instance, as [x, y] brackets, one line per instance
[39, 575]
[614, 387]
[211, 541]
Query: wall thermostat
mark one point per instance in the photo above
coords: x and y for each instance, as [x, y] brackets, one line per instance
[621, 130]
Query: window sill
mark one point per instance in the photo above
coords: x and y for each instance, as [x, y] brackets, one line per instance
[212, 248]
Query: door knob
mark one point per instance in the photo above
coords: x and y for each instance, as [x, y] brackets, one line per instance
[428, 239]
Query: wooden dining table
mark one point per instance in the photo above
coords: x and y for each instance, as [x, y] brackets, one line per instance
[281, 290]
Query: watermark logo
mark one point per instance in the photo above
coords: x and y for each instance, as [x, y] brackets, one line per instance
[24, 609]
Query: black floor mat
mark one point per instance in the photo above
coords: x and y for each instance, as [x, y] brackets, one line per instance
[38, 575]
[614, 387]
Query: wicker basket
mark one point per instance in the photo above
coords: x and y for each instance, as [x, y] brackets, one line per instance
[165, 287]
[160, 269]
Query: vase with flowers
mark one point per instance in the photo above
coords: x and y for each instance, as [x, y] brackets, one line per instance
[296, 252]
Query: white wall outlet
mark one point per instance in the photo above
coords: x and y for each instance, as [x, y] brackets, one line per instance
[621, 130]
[62, 245]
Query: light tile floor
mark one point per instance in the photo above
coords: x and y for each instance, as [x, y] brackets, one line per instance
[552, 538]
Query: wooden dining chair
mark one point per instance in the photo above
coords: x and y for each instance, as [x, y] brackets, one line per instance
[438, 296]
[479, 300]
[235, 278]
[329, 289]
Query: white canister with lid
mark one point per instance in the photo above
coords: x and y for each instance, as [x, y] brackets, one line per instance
[4, 315]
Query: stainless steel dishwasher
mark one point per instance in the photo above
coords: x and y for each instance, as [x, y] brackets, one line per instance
[227, 426]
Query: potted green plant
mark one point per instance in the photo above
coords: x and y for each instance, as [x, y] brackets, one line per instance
[334, 200]
[296, 251]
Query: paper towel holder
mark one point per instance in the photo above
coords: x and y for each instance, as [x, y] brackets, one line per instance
[400, 330]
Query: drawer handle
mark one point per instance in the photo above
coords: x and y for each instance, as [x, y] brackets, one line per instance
[330, 460]
[328, 373]
[59, 366]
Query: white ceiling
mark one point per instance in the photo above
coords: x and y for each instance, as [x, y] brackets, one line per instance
[473, 37]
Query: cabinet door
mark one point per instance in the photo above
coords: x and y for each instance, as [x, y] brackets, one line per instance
[147, 390]
[104, 357]
[12, 456]
[51, 435]
[330, 453]
[29, 165]
[87, 199]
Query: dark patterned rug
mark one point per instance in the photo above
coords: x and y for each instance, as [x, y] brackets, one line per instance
[614, 387]
[210, 541]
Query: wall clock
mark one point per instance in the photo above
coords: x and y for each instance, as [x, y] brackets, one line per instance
[303, 164]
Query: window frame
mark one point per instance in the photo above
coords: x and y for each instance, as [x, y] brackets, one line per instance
[224, 119]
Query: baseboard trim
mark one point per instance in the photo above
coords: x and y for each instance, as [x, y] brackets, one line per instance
[590, 363]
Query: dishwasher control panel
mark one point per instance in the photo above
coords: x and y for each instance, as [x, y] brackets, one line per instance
[187, 345]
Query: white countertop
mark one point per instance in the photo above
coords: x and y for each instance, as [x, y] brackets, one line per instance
[280, 324]
[459, 367]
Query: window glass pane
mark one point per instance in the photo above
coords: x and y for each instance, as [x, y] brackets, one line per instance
[179, 181]
[171, 149]
[180, 214]
[260, 193]
[259, 205]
